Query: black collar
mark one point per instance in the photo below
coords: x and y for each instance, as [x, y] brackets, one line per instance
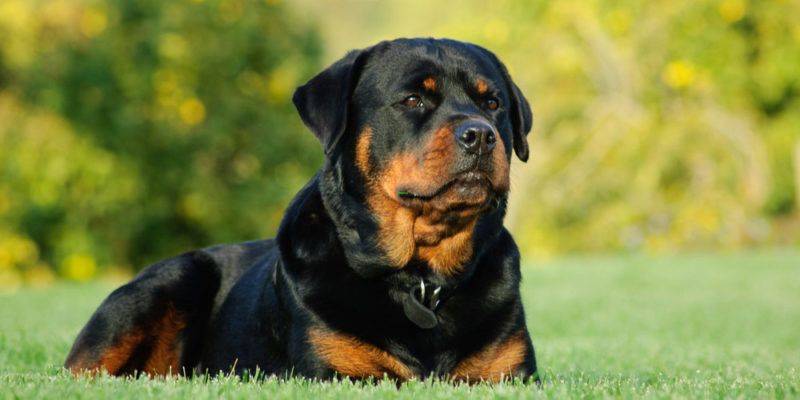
[420, 304]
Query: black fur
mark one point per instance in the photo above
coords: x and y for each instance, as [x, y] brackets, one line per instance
[249, 306]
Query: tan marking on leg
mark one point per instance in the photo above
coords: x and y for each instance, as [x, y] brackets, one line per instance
[117, 356]
[495, 362]
[352, 357]
[163, 359]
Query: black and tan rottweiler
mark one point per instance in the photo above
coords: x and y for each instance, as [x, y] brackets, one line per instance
[392, 261]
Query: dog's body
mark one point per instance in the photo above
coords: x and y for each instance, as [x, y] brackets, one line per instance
[392, 261]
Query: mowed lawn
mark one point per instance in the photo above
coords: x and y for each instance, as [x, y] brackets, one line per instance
[632, 326]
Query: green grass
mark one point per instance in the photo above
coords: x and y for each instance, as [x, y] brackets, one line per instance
[680, 326]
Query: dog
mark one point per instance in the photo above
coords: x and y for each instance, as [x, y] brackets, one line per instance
[392, 262]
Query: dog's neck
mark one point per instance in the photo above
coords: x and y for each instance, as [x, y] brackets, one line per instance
[327, 247]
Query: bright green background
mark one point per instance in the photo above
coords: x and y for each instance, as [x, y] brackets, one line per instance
[135, 130]
[701, 326]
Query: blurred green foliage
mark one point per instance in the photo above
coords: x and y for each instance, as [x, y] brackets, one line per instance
[133, 130]
[665, 125]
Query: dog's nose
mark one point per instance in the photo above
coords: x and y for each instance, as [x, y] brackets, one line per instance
[475, 136]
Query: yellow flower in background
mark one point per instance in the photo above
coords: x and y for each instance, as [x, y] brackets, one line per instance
[23, 249]
[17, 251]
[79, 267]
[708, 220]
[194, 206]
[732, 10]
[281, 82]
[93, 22]
[679, 74]
[192, 111]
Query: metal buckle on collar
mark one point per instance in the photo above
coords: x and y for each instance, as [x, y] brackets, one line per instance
[419, 308]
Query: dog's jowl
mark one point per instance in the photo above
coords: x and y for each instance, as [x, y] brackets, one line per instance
[391, 262]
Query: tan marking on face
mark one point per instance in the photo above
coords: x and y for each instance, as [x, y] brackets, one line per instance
[362, 151]
[500, 174]
[481, 86]
[352, 357]
[495, 362]
[427, 168]
[429, 83]
[163, 359]
[427, 234]
[438, 231]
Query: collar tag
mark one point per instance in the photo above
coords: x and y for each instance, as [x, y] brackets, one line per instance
[416, 309]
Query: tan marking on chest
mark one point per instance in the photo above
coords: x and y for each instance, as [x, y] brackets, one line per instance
[352, 357]
[451, 252]
[495, 362]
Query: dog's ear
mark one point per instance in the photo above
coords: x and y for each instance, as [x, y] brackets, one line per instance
[324, 101]
[522, 118]
[519, 111]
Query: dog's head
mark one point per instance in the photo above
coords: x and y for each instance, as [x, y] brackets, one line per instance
[427, 127]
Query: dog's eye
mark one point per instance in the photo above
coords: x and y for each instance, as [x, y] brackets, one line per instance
[491, 104]
[413, 101]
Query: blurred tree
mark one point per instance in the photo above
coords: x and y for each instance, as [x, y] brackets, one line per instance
[134, 130]
[665, 125]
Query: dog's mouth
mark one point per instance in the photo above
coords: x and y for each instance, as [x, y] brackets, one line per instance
[467, 182]
[472, 189]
